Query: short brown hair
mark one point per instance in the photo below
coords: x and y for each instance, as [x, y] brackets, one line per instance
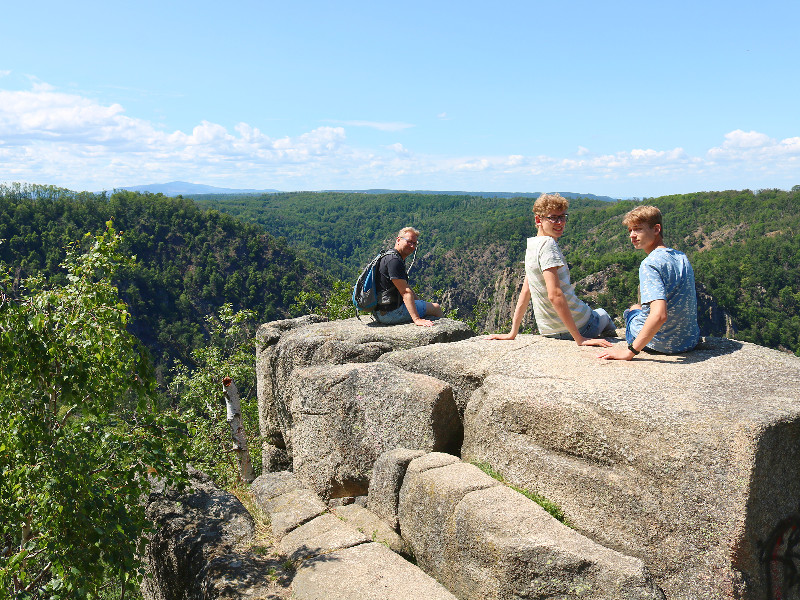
[649, 215]
[547, 203]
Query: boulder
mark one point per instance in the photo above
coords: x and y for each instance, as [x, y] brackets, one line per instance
[343, 417]
[464, 365]
[373, 527]
[322, 535]
[387, 477]
[287, 501]
[196, 550]
[365, 572]
[283, 346]
[481, 539]
[690, 462]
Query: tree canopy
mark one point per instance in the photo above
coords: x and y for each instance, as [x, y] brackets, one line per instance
[81, 431]
[189, 262]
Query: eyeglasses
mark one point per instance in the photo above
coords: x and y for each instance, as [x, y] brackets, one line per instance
[409, 242]
[557, 218]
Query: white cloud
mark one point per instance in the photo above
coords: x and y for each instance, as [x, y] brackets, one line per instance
[399, 149]
[475, 164]
[74, 141]
[47, 136]
[746, 139]
[752, 151]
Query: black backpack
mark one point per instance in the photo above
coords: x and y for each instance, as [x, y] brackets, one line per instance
[365, 291]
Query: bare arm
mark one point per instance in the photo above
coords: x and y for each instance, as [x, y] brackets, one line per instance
[519, 312]
[654, 321]
[409, 296]
[559, 302]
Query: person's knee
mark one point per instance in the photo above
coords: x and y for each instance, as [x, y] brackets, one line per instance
[433, 310]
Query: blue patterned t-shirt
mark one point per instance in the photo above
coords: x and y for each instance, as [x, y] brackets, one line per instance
[665, 274]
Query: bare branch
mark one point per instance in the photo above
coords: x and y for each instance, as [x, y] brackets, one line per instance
[38, 578]
[66, 415]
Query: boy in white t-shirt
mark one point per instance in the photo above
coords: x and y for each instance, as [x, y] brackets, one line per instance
[559, 312]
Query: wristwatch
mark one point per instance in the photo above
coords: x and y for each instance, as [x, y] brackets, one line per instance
[632, 349]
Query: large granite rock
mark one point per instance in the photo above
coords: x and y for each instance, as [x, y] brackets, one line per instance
[288, 502]
[199, 547]
[481, 539]
[344, 556]
[689, 462]
[365, 572]
[343, 417]
[322, 535]
[464, 366]
[372, 525]
[283, 346]
[387, 478]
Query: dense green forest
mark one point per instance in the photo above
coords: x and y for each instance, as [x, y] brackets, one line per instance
[349, 228]
[743, 245]
[189, 262]
[259, 252]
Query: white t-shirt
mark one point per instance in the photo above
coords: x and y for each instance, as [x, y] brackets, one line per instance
[543, 253]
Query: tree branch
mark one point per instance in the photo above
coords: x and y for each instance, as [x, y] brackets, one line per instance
[38, 578]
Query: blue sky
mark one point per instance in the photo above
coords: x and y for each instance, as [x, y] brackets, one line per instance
[625, 99]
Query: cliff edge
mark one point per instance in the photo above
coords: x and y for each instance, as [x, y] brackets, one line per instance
[689, 463]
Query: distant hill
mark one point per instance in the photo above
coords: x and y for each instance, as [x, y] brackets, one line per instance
[569, 195]
[183, 188]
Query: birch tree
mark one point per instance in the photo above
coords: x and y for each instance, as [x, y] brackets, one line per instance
[200, 394]
[79, 432]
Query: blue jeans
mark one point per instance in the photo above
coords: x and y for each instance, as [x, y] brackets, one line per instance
[598, 323]
[400, 314]
[628, 315]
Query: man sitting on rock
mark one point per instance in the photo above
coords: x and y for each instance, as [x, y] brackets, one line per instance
[666, 319]
[559, 312]
[397, 302]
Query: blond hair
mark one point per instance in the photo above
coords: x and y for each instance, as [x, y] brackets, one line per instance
[405, 230]
[547, 203]
[649, 215]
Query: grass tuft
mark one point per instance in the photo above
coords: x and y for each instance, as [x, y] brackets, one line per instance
[551, 507]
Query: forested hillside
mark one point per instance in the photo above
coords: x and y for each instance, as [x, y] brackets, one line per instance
[189, 262]
[349, 228]
[743, 246]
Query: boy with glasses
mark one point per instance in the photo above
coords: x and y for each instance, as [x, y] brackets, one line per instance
[397, 302]
[666, 319]
[559, 312]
